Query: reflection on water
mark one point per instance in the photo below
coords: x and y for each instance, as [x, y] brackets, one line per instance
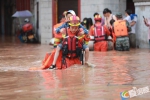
[115, 72]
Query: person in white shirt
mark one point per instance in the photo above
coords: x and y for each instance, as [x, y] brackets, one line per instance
[108, 17]
[127, 14]
[132, 19]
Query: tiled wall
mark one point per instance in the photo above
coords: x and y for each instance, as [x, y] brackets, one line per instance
[142, 9]
[89, 7]
[45, 20]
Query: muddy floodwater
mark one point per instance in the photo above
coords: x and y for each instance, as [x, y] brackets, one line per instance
[115, 72]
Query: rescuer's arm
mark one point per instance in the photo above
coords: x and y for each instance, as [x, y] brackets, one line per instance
[106, 30]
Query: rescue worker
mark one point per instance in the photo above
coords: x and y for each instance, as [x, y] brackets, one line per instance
[72, 30]
[68, 52]
[100, 34]
[121, 28]
[102, 20]
[83, 31]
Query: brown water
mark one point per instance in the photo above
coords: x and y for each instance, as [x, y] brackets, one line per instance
[115, 72]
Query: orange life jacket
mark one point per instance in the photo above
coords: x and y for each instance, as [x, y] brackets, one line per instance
[99, 34]
[120, 28]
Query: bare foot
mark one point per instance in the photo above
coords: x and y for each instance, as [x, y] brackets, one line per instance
[89, 64]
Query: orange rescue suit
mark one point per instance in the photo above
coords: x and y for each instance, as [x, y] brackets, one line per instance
[101, 45]
[47, 62]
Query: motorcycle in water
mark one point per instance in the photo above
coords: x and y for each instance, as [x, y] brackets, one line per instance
[25, 27]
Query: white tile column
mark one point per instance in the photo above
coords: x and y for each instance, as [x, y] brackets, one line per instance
[45, 20]
[142, 9]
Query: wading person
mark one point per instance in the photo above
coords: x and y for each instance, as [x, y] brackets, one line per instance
[120, 29]
[100, 34]
[69, 51]
[72, 31]
[132, 19]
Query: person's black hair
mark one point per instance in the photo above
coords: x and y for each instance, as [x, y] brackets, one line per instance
[90, 23]
[128, 11]
[82, 23]
[95, 14]
[68, 13]
[87, 22]
[112, 22]
[106, 10]
[84, 18]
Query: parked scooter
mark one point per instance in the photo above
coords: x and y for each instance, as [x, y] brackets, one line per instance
[25, 26]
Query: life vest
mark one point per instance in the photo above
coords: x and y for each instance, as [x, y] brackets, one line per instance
[99, 34]
[120, 28]
[72, 47]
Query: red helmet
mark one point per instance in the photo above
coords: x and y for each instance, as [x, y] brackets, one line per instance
[97, 18]
[74, 21]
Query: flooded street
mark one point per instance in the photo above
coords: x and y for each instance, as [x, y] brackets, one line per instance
[115, 72]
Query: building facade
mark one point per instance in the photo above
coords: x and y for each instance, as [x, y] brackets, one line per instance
[83, 8]
[46, 13]
[142, 8]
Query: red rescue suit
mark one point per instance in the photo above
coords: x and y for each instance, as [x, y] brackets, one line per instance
[100, 34]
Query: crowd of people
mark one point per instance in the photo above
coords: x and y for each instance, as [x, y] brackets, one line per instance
[71, 37]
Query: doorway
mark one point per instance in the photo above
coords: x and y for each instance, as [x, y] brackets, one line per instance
[59, 6]
[130, 5]
[65, 5]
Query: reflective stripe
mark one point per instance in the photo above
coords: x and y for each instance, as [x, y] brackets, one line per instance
[63, 35]
[102, 30]
[80, 37]
[56, 40]
[95, 31]
[86, 42]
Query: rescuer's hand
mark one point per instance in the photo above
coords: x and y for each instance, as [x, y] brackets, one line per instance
[81, 31]
[63, 31]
